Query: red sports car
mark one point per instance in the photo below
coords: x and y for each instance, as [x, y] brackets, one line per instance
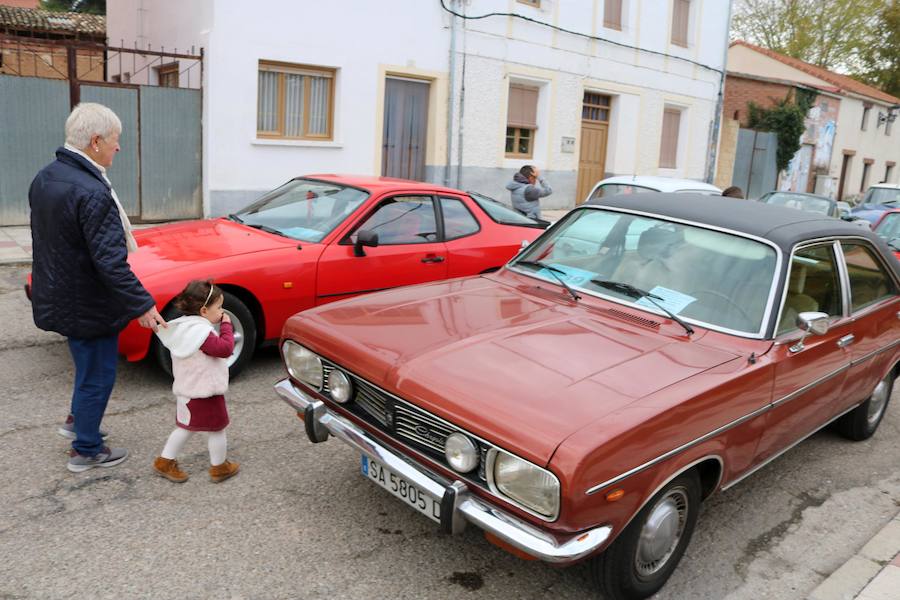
[888, 228]
[317, 239]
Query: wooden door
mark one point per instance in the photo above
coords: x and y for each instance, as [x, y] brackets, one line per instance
[592, 153]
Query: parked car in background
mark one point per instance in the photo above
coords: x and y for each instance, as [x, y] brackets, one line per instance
[879, 198]
[636, 184]
[639, 356]
[888, 229]
[802, 201]
[317, 239]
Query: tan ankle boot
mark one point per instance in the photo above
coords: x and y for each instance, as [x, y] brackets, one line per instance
[168, 468]
[222, 472]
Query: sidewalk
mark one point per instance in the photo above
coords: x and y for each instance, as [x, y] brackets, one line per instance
[873, 574]
[15, 245]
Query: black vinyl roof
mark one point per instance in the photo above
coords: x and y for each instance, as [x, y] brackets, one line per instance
[783, 226]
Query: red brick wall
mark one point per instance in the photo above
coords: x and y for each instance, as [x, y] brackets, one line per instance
[740, 91]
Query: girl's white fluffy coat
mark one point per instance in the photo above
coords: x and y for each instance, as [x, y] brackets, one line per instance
[197, 375]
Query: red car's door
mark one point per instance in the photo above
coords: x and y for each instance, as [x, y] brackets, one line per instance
[874, 308]
[809, 380]
[408, 251]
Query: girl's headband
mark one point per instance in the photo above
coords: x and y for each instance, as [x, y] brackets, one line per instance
[208, 296]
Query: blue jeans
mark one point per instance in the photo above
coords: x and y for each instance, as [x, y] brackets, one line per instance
[95, 374]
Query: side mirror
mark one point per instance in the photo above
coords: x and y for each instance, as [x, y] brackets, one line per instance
[810, 323]
[364, 237]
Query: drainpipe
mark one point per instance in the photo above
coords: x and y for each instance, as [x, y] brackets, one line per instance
[451, 96]
[462, 114]
[713, 144]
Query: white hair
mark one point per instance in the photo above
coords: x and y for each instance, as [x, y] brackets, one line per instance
[89, 119]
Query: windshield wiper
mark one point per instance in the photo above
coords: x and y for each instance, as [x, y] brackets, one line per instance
[265, 228]
[553, 271]
[637, 293]
[235, 218]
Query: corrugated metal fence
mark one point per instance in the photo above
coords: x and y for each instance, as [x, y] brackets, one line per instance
[157, 172]
[755, 169]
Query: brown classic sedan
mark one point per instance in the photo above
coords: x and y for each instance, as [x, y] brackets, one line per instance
[636, 358]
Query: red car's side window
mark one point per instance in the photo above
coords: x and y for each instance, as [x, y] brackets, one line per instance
[458, 221]
[403, 220]
[813, 286]
[869, 282]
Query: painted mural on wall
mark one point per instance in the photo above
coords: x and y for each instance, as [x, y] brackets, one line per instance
[817, 144]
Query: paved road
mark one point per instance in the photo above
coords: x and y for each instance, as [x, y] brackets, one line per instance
[300, 522]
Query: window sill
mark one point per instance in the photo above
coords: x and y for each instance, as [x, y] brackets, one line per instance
[297, 143]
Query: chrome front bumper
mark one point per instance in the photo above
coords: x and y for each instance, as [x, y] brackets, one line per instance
[458, 504]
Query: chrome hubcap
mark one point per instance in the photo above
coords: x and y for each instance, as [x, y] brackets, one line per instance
[877, 401]
[661, 532]
[238, 337]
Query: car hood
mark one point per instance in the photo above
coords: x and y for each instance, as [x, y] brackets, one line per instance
[169, 246]
[509, 363]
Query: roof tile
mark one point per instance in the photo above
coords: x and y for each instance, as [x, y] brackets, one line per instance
[12, 17]
[843, 82]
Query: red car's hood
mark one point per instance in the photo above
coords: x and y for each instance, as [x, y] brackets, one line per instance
[520, 370]
[169, 246]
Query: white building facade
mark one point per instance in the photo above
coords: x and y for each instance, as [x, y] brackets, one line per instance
[580, 88]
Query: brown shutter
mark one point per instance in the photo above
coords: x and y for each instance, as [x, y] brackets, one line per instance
[522, 107]
[681, 10]
[668, 150]
[612, 14]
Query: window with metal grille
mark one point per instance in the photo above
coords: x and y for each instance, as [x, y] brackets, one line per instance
[595, 107]
[668, 151]
[612, 14]
[521, 121]
[681, 11]
[294, 101]
[864, 125]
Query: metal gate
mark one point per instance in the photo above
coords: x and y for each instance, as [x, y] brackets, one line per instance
[157, 172]
[755, 169]
[405, 128]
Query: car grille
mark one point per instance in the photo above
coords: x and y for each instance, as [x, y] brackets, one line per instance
[404, 421]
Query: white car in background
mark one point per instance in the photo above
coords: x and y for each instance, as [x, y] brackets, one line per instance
[636, 184]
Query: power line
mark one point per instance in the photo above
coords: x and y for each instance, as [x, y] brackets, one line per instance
[579, 34]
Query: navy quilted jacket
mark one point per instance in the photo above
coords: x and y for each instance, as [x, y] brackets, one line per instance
[82, 285]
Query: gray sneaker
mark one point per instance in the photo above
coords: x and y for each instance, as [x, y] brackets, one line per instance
[107, 457]
[67, 429]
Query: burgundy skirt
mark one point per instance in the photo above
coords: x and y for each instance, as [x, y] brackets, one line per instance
[206, 414]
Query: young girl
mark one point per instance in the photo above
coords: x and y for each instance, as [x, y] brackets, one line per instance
[201, 378]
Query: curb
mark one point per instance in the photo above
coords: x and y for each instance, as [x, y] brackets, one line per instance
[873, 574]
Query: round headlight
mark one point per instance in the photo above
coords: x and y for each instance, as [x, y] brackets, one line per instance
[340, 386]
[461, 452]
[303, 364]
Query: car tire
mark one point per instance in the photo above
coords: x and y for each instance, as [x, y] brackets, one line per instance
[244, 336]
[861, 422]
[640, 561]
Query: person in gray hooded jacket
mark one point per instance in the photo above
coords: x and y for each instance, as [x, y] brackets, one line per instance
[526, 190]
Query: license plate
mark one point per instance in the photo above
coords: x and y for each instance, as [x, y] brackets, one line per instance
[401, 488]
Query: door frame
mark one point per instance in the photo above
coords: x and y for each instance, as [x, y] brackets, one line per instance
[582, 188]
[436, 136]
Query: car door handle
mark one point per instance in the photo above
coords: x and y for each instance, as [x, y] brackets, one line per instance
[433, 259]
[846, 341]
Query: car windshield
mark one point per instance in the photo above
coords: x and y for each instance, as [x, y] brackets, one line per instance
[703, 276]
[882, 196]
[889, 228]
[501, 213]
[799, 201]
[303, 209]
[615, 189]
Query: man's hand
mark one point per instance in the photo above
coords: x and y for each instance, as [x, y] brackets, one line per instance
[152, 319]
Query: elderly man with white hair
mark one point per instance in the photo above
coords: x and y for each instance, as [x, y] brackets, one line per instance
[82, 285]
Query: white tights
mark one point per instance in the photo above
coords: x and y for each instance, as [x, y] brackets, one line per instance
[218, 445]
